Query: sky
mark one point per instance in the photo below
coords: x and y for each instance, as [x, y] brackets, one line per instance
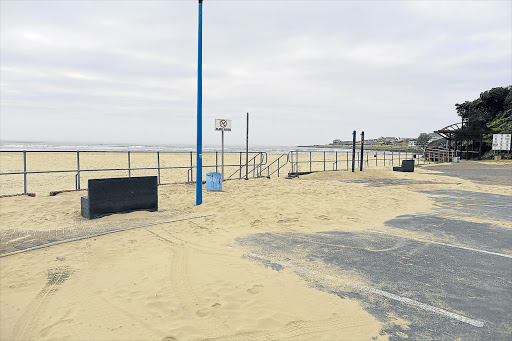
[308, 72]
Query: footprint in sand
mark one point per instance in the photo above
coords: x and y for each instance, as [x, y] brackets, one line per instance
[323, 217]
[288, 220]
[207, 311]
[255, 289]
[256, 222]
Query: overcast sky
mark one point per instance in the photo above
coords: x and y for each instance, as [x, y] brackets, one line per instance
[307, 72]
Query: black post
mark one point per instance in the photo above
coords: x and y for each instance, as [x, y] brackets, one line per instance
[353, 150]
[247, 151]
[362, 149]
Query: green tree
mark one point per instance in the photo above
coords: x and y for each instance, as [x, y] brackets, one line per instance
[491, 111]
[502, 123]
[422, 140]
[491, 105]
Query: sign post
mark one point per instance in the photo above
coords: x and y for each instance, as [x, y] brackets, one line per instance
[222, 125]
[247, 150]
[501, 141]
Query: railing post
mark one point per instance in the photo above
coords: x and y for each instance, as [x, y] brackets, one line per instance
[77, 170]
[216, 161]
[310, 169]
[376, 158]
[399, 158]
[24, 172]
[324, 161]
[191, 167]
[158, 160]
[253, 168]
[353, 149]
[392, 161]
[361, 161]
[384, 158]
[278, 166]
[336, 160]
[240, 174]
[129, 166]
[347, 160]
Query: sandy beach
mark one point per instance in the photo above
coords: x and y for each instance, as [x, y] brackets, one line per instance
[185, 276]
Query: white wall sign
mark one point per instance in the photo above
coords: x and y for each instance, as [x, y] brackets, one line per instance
[501, 141]
[222, 125]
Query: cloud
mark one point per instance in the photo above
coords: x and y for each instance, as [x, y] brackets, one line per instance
[308, 72]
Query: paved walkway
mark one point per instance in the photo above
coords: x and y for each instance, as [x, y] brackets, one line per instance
[14, 240]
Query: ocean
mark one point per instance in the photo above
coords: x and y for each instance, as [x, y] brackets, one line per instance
[54, 146]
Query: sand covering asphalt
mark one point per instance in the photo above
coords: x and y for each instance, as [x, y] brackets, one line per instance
[189, 280]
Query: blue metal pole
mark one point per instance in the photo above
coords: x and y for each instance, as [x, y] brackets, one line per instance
[199, 163]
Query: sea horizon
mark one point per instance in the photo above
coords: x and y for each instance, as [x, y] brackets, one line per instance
[138, 147]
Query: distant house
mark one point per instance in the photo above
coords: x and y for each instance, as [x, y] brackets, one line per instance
[338, 142]
[434, 137]
[412, 143]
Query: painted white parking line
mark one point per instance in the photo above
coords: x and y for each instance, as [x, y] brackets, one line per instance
[364, 288]
[440, 243]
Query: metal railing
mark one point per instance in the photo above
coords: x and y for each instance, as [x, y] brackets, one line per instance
[280, 164]
[303, 162]
[440, 154]
[256, 167]
[300, 162]
[257, 161]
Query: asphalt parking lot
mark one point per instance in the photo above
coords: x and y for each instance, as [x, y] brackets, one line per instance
[448, 277]
[497, 174]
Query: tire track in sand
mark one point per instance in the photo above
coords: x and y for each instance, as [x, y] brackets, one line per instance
[202, 314]
[28, 321]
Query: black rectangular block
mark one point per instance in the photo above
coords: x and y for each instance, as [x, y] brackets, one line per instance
[408, 166]
[120, 195]
[397, 169]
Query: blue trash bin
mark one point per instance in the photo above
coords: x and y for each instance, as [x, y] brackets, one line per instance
[214, 181]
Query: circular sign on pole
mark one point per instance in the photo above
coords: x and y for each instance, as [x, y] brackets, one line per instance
[222, 125]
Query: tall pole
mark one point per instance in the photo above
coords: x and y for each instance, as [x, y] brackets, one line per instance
[362, 150]
[353, 150]
[222, 176]
[247, 151]
[199, 156]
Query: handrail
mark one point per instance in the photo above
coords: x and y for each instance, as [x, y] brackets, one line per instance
[278, 165]
[260, 154]
[78, 170]
[256, 167]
